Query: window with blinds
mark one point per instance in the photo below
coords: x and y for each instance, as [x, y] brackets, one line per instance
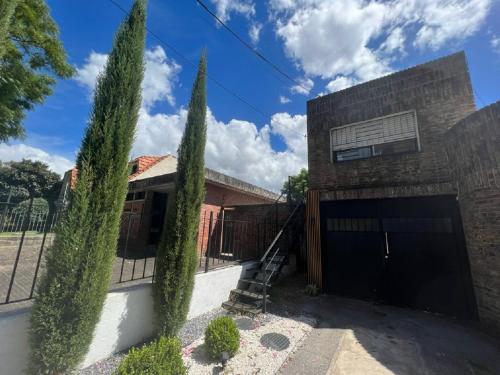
[391, 134]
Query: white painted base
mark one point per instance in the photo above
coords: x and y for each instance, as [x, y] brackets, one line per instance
[126, 320]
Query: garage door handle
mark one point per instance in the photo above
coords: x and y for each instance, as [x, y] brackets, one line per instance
[386, 245]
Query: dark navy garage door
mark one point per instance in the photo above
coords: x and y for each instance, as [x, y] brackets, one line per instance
[407, 252]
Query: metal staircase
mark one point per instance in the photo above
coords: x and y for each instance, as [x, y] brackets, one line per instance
[252, 295]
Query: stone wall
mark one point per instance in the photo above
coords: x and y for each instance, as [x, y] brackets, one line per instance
[474, 152]
[440, 92]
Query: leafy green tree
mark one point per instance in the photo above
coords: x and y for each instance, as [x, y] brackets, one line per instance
[176, 254]
[7, 8]
[28, 178]
[73, 289]
[31, 57]
[296, 186]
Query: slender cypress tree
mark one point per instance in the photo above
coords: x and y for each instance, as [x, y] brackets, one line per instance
[176, 257]
[72, 291]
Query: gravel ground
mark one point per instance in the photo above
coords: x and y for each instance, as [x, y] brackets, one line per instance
[192, 330]
[254, 356]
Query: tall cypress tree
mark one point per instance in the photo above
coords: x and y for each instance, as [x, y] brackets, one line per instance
[72, 291]
[176, 256]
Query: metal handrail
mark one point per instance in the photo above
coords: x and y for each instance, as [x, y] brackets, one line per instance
[280, 233]
[266, 279]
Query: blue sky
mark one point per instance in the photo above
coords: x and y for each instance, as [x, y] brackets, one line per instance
[326, 44]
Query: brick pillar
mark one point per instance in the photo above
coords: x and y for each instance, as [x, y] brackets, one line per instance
[473, 147]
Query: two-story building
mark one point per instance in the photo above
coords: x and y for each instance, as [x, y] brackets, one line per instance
[404, 199]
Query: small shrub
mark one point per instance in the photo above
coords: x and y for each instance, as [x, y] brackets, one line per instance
[312, 290]
[222, 335]
[161, 357]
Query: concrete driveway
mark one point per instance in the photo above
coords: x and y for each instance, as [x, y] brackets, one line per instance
[361, 338]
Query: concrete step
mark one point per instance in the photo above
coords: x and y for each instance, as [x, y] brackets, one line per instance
[276, 259]
[242, 308]
[272, 267]
[248, 294]
[257, 282]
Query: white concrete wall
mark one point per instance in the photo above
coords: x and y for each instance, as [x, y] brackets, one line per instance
[126, 320]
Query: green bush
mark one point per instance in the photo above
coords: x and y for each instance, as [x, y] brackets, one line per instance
[161, 357]
[222, 335]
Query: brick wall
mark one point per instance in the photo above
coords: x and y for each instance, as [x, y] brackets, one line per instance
[217, 197]
[440, 92]
[474, 151]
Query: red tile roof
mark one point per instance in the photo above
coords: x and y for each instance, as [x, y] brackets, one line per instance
[144, 163]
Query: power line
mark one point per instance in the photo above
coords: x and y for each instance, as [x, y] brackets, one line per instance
[179, 54]
[212, 25]
[193, 64]
[251, 48]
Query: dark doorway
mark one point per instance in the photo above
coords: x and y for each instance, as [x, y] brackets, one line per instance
[407, 252]
[158, 210]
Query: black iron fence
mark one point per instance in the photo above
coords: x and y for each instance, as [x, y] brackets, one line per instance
[26, 235]
[225, 241]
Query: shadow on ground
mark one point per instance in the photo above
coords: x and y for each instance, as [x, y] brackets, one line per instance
[356, 337]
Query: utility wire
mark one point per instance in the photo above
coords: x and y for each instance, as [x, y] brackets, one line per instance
[212, 25]
[250, 47]
[179, 54]
[193, 64]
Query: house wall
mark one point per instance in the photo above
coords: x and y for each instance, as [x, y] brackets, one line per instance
[474, 151]
[126, 320]
[440, 92]
[216, 198]
[138, 213]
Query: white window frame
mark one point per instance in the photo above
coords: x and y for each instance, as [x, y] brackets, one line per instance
[414, 112]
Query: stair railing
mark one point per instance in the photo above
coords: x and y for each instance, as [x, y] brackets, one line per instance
[282, 230]
[267, 279]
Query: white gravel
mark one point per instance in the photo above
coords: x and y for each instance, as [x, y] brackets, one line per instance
[192, 330]
[252, 357]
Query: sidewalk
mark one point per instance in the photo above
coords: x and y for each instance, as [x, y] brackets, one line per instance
[359, 338]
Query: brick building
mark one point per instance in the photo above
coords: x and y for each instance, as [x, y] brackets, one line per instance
[404, 199]
[152, 180]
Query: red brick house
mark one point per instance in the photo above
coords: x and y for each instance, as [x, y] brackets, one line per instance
[245, 216]
[152, 180]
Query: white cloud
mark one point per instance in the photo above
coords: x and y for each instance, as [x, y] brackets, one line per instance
[340, 83]
[444, 21]
[224, 8]
[360, 38]
[87, 74]
[237, 148]
[159, 77]
[304, 87]
[293, 130]
[254, 32]
[284, 99]
[395, 42]
[495, 43]
[19, 151]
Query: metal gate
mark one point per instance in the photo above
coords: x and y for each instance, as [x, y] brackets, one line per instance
[406, 251]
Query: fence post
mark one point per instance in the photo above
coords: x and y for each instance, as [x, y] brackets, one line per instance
[5, 210]
[264, 307]
[18, 255]
[276, 219]
[125, 249]
[46, 227]
[289, 191]
[209, 242]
